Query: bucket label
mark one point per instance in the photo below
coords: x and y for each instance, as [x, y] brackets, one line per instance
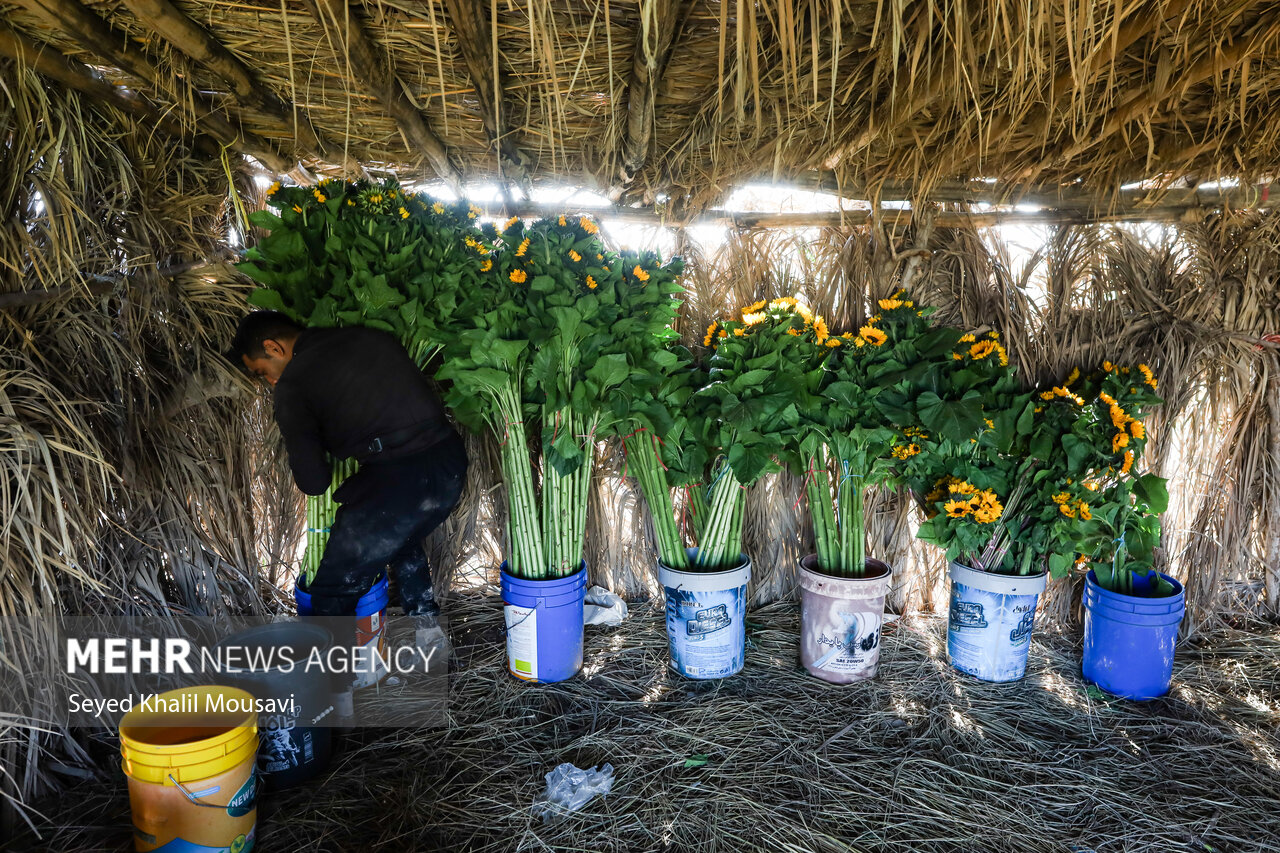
[706, 631]
[240, 844]
[711, 619]
[849, 643]
[989, 633]
[522, 640]
[967, 614]
[370, 650]
[246, 799]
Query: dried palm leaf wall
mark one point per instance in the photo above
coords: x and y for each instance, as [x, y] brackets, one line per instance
[135, 482]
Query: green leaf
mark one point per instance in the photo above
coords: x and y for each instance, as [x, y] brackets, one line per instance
[751, 378]
[844, 393]
[609, 371]
[266, 220]
[1153, 491]
[1060, 565]
[268, 300]
[1077, 451]
[695, 761]
[957, 420]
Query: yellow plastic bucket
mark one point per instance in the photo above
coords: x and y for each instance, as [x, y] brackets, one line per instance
[189, 756]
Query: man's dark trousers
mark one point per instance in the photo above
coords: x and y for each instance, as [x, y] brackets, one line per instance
[385, 511]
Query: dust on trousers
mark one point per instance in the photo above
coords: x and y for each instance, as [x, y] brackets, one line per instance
[385, 511]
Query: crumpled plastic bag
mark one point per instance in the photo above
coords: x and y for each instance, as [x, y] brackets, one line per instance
[603, 607]
[569, 789]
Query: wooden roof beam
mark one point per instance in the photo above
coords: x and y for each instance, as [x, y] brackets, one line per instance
[99, 38]
[853, 218]
[471, 22]
[1139, 102]
[198, 43]
[80, 77]
[1129, 202]
[371, 65]
[654, 41]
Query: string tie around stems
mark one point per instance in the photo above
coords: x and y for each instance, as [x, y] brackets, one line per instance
[317, 529]
[804, 485]
[1119, 543]
[712, 485]
[506, 433]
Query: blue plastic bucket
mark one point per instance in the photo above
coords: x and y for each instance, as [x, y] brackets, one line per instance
[1129, 640]
[544, 625]
[706, 619]
[371, 630]
[990, 621]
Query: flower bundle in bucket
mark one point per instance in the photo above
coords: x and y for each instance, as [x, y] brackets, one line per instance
[980, 450]
[725, 428]
[362, 254]
[556, 326]
[848, 445]
[1039, 490]
[1102, 514]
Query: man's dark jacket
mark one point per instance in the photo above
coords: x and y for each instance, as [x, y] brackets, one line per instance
[353, 392]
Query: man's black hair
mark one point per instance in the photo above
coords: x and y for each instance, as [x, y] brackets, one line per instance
[254, 329]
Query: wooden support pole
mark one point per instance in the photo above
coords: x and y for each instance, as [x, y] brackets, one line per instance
[891, 218]
[99, 38]
[469, 20]
[79, 77]
[371, 65]
[100, 285]
[198, 43]
[652, 50]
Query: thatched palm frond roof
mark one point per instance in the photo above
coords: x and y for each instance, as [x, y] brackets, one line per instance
[658, 99]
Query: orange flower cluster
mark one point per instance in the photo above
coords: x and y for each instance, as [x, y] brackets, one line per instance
[906, 451]
[1061, 391]
[1122, 421]
[1071, 508]
[968, 499]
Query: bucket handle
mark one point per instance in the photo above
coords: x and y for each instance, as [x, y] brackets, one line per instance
[195, 797]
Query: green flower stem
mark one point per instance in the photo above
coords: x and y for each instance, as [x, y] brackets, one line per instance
[818, 486]
[718, 548]
[645, 465]
[321, 510]
[526, 554]
[853, 551]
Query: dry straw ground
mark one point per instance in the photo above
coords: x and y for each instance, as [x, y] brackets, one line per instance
[921, 758]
